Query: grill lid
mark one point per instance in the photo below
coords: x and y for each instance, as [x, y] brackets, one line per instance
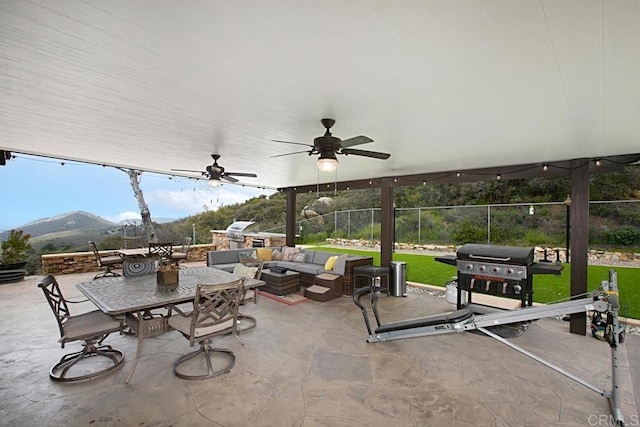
[238, 227]
[496, 254]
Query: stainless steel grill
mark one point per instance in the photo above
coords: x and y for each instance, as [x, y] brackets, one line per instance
[236, 231]
[503, 271]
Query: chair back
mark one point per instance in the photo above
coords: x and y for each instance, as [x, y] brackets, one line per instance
[215, 310]
[161, 250]
[58, 304]
[94, 248]
[186, 245]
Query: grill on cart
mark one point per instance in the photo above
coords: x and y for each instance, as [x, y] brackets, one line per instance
[502, 271]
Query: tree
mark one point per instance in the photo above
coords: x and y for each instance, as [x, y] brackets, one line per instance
[148, 231]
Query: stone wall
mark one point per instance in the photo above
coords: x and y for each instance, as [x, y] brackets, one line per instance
[82, 262]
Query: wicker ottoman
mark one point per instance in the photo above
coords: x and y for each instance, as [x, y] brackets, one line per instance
[325, 287]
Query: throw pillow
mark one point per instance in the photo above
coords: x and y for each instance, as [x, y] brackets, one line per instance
[340, 264]
[290, 253]
[248, 253]
[244, 271]
[264, 254]
[277, 256]
[331, 261]
[298, 258]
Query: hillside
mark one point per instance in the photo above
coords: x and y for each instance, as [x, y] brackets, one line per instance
[68, 222]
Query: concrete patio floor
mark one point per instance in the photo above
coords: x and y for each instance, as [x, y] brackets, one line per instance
[310, 365]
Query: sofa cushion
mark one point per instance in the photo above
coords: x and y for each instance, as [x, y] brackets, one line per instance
[288, 264]
[320, 257]
[264, 254]
[340, 265]
[222, 257]
[277, 255]
[290, 253]
[247, 253]
[308, 268]
[301, 257]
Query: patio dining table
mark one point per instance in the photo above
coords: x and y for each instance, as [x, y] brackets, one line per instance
[136, 296]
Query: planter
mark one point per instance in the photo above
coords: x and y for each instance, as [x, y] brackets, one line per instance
[13, 272]
[167, 278]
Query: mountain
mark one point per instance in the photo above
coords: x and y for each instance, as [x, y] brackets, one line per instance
[66, 223]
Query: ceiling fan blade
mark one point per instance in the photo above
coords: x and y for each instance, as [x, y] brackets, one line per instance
[229, 178]
[250, 175]
[295, 152]
[289, 142]
[185, 170]
[374, 154]
[356, 140]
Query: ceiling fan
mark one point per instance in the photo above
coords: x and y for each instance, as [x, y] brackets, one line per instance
[216, 172]
[328, 146]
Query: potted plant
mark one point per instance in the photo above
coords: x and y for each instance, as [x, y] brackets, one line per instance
[15, 254]
[167, 274]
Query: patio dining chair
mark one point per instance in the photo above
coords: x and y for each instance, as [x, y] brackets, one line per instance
[181, 255]
[107, 262]
[161, 251]
[215, 313]
[92, 328]
[248, 270]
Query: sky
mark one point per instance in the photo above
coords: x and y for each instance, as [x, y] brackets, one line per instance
[39, 187]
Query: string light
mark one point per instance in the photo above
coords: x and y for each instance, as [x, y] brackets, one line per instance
[498, 176]
[545, 167]
[458, 174]
[598, 163]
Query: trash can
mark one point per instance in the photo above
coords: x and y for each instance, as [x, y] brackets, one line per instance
[398, 285]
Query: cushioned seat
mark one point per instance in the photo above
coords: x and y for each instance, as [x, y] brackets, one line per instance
[326, 287]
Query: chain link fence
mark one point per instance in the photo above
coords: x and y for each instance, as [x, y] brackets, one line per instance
[612, 225]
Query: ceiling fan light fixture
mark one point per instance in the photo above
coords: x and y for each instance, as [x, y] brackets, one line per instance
[327, 163]
[214, 182]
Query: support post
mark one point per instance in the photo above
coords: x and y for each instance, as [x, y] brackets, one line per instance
[291, 218]
[579, 239]
[387, 221]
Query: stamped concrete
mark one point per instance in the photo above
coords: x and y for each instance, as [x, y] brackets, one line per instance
[310, 365]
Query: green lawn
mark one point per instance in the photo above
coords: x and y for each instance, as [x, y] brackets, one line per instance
[547, 288]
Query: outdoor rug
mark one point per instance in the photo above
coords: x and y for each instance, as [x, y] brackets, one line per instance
[291, 299]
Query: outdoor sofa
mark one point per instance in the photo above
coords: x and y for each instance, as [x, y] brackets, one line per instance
[309, 263]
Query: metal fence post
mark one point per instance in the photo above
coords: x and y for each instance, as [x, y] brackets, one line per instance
[489, 224]
[372, 224]
[419, 227]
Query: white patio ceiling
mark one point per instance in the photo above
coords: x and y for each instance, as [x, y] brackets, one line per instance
[441, 85]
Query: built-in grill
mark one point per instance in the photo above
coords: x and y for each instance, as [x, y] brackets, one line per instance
[503, 271]
[236, 232]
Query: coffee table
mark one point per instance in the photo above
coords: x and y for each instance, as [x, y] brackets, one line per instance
[280, 283]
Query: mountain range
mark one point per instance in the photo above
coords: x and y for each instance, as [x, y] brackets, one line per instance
[73, 226]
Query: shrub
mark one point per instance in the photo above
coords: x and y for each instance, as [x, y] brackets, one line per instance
[468, 233]
[625, 235]
[16, 248]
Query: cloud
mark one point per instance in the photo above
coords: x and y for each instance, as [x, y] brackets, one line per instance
[186, 202]
[123, 216]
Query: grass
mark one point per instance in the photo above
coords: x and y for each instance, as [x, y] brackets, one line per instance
[547, 288]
